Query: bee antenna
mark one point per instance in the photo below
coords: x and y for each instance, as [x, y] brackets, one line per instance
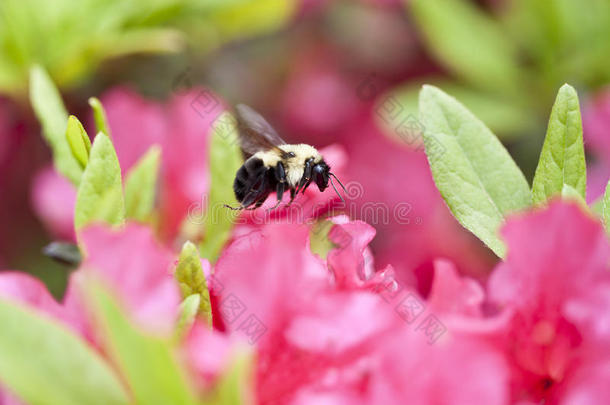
[335, 188]
[341, 184]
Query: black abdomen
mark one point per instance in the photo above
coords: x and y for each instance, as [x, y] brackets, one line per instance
[253, 182]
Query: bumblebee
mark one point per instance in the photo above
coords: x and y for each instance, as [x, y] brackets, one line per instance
[272, 165]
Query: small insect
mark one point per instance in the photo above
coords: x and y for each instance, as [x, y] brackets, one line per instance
[273, 165]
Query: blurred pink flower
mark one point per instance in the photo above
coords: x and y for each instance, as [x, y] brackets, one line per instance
[589, 385]
[452, 294]
[135, 267]
[596, 116]
[206, 352]
[596, 124]
[29, 291]
[7, 398]
[181, 127]
[53, 199]
[457, 370]
[316, 100]
[129, 262]
[551, 281]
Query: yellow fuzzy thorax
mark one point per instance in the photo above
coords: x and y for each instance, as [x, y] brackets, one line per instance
[294, 166]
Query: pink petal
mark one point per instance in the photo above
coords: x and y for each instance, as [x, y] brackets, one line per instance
[589, 386]
[53, 200]
[266, 275]
[348, 261]
[452, 294]
[23, 288]
[206, 352]
[544, 249]
[6, 398]
[135, 267]
[555, 281]
[337, 323]
[135, 124]
[596, 117]
[451, 371]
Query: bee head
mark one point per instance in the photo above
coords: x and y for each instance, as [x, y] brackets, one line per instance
[322, 176]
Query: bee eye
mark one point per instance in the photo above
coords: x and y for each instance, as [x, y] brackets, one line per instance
[291, 154]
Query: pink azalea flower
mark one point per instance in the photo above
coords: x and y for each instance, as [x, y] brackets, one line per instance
[53, 199]
[181, 127]
[324, 333]
[135, 267]
[129, 261]
[207, 352]
[596, 115]
[555, 282]
[596, 118]
[352, 262]
[29, 291]
[456, 370]
[6, 398]
[316, 100]
[452, 294]
[589, 385]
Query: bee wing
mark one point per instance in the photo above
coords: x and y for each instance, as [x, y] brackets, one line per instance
[255, 133]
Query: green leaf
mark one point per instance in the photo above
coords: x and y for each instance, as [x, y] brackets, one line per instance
[188, 313]
[46, 364]
[571, 194]
[191, 279]
[225, 159]
[99, 115]
[473, 171]
[79, 141]
[468, 42]
[141, 186]
[248, 18]
[100, 194]
[53, 117]
[606, 208]
[562, 161]
[148, 363]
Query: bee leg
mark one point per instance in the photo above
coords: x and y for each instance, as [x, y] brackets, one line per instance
[306, 175]
[280, 177]
[280, 194]
[292, 195]
[258, 203]
[260, 200]
[305, 186]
